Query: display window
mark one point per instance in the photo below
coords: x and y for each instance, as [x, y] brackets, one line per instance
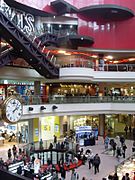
[50, 126]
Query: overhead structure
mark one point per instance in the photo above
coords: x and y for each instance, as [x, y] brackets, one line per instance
[29, 51]
[107, 11]
[63, 7]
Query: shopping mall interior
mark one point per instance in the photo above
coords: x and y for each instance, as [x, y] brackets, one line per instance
[67, 89]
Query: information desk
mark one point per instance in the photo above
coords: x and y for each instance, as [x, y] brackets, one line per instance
[86, 136]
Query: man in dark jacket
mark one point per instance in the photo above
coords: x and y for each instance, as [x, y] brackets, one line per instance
[96, 163]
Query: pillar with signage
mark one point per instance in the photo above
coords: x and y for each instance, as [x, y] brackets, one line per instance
[35, 131]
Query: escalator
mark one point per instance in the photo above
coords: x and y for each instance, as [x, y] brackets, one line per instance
[7, 56]
[47, 39]
[26, 49]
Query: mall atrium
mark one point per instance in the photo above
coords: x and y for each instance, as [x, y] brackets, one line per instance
[67, 89]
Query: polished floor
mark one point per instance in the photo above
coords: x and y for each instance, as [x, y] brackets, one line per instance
[108, 162]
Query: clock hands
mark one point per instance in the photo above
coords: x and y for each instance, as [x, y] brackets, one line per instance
[17, 107]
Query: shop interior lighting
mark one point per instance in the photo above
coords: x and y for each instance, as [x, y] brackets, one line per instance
[54, 107]
[31, 108]
[109, 57]
[94, 56]
[61, 52]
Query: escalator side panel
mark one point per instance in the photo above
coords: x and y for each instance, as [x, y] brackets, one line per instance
[28, 51]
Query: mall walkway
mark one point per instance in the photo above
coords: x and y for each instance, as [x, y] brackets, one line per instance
[108, 162]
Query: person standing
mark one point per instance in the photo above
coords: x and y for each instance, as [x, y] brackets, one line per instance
[126, 129]
[63, 173]
[133, 131]
[9, 154]
[114, 147]
[96, 163]
[115, 177]
[41, 144]
[90, 159]
[14, 149]
[126, 177]
[130, 129]
[55, 140]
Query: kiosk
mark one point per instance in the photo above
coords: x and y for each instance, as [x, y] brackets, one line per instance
[86, 136]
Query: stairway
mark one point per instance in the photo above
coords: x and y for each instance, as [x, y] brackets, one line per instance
[26, 49]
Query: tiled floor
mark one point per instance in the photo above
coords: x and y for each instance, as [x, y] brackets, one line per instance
[108, 162]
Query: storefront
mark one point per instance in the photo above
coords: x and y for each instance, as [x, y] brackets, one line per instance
[72, 89]
[115, 123]
[49, 126]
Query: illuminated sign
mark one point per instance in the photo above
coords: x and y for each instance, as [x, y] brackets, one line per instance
[24, 21]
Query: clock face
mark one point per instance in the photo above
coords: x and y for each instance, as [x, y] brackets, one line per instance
[13, 110]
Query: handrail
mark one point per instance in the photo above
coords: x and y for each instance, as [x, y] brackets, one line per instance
[63, 99]
[88, 64]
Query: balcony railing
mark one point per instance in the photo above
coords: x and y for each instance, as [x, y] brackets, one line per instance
[61, 99]
[106, 67]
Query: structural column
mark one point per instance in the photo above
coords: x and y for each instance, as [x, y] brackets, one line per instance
[37, 85]
[101, 124]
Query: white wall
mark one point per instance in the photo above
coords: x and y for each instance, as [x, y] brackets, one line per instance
[95, 76]
[79, 109]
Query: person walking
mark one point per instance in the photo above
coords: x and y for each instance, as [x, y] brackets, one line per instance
[124, 147]
[96, 163]
[90, 158]
[74, 175]
[114, 147]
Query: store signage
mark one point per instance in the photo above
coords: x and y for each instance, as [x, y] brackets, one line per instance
[84, 128]
[24, 21]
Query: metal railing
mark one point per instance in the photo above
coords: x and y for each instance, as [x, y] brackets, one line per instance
[61, 99]
[88, 64]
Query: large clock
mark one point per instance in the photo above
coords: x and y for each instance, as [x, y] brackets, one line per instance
[12, 110]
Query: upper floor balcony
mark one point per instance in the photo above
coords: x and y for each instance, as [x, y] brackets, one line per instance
[60, 105]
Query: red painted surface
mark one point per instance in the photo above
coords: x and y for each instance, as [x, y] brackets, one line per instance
[107, 35]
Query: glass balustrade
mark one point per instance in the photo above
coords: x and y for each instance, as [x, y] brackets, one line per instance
[61, 99]
[88, 64]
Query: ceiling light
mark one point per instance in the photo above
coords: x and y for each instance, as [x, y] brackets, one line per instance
[131, 59]
[61, 52]
[48, 25]
[115, 62]
[67, 54]
[109, 57]
[60, 26]
[94, 56]
[71, 26]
